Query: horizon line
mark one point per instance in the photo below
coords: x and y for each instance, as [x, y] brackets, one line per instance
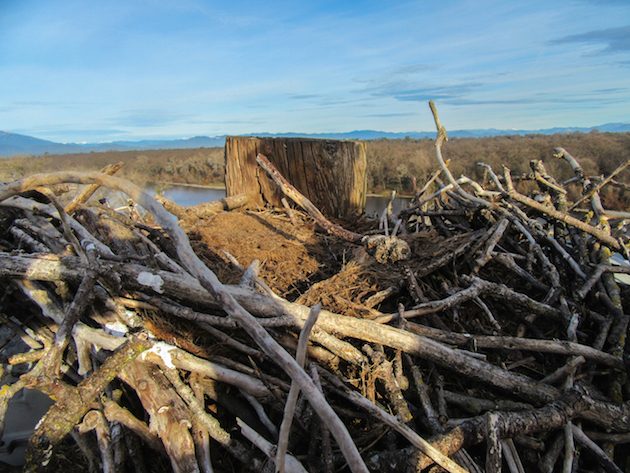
[280, 134]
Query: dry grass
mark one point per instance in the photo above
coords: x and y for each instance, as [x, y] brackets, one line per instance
[290, 257]
[188, 166]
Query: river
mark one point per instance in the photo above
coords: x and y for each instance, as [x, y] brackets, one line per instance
[192, 195]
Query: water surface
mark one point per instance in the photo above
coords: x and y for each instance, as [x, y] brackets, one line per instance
[193, 195]
[189, 195]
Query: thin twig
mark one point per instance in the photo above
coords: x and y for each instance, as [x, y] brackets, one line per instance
[294, 392]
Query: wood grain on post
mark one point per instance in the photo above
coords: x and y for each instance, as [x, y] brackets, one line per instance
[331, 174]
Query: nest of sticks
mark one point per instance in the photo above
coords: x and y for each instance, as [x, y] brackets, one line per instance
[486, 330]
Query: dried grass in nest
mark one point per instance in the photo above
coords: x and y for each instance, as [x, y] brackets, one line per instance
[347, 291]
[290, 256]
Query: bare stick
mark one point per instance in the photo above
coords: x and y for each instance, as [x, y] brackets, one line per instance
[345, 326]
[67, 412]
[493, 240]
[511, 456]
[210, 423]
[519, 343]
[443, 190]
[82, 300]
[597, 274]
[439, 140]
[508, 261]
[89, 190]
[431, 180]
[601, 456]
[564, 370]
[415, 439]
[50, 210]
[600, 185]
[489, 315]
[301, 200]
[425, 400]
[563, 217]
[290, 212]
[569, 448]
[94, 420]
[472, 431]
[260, 412]
[474, 290]
[329, 466]
[181, 359]
[477, 288]
[294, 392]
[609, 438]
[477, 405]
[201, 437]
[493, 444]
[25, 240]
[293, 465]
[566, 256]
[549, 459]
[115, 413]
[171, 424]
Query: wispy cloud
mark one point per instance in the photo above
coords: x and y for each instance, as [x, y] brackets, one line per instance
[148, 117]
[248, 121]
[92, 131]
[324, 101]
[412, 69]
[305, 96]
[615, 39]
[537, 99]
[612, 90]
[390, 115]
[594, 98]
[407, 92]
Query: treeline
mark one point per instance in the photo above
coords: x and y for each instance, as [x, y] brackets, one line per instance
[392, 164]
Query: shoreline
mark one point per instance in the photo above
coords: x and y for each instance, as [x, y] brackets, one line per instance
[387, 195]
[215, 186]
[218, 186]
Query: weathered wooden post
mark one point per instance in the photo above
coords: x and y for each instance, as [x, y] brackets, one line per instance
[332, 174]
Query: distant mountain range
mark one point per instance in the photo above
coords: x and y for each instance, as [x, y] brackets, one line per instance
[13, 144]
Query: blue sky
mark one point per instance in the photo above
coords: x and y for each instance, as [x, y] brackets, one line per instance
[93, 70]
